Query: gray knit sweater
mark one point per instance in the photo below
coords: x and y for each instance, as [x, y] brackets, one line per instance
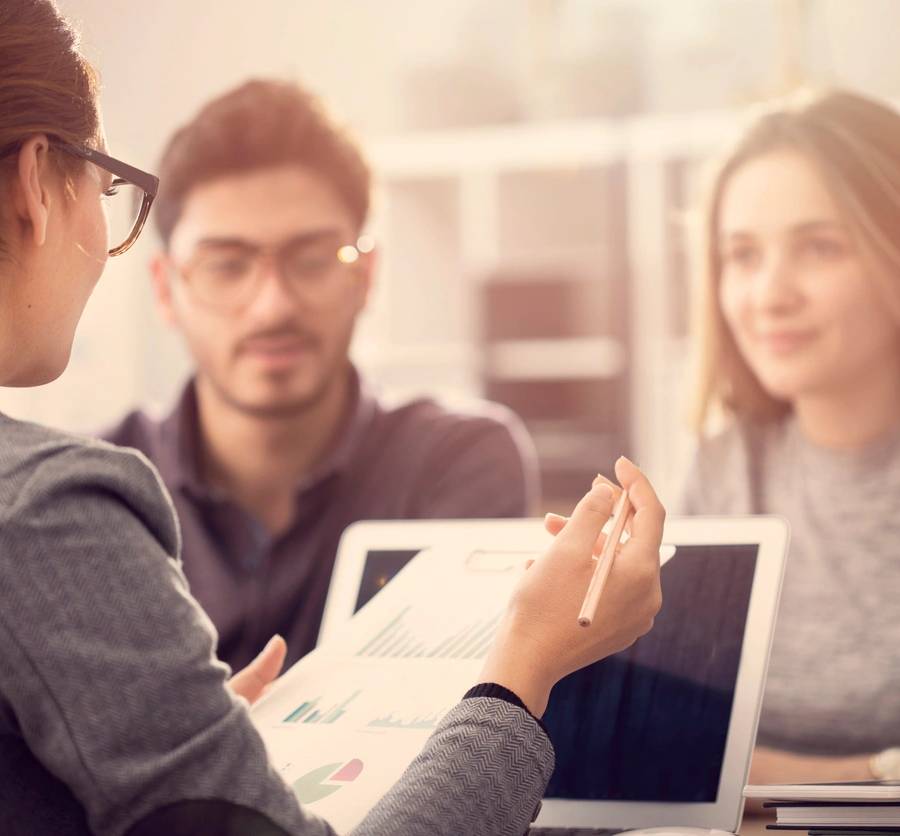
[832, 687]
[113, 705]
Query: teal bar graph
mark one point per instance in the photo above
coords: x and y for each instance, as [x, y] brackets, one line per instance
[300, 712]
[307, 712]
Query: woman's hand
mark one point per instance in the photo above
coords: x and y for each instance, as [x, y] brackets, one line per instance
[540, 641]
[252, 681]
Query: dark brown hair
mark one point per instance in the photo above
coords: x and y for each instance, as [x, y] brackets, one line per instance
[259, 124]
[46, 85]
[854, 142]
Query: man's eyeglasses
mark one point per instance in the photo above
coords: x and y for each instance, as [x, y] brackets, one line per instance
[226, 275]
[127, 199]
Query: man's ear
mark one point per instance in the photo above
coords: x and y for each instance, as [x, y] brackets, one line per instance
[161, 275]
[32, 198]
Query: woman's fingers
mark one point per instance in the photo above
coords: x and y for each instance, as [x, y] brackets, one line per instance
[609, 482]
[261, 672]
[580, 533]
[645, 524]
[649, 514]
[554, 523]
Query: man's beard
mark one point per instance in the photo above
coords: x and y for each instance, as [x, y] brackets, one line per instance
[288, 408]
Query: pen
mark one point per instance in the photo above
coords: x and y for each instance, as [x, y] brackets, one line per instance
[604, 563]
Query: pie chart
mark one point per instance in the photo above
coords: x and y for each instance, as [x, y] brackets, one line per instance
[321, 782]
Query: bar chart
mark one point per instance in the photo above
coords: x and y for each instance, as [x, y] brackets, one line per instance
[309, 711]
[398, 639]
[391, 721]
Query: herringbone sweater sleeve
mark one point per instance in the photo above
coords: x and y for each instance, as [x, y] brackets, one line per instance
[481, 773]
[109, 685]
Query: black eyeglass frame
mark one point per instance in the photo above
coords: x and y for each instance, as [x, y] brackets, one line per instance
[124, 173]
[147, 183]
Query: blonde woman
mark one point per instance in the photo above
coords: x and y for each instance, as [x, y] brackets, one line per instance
[800, 344]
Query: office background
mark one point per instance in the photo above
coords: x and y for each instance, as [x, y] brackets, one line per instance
[535, 160]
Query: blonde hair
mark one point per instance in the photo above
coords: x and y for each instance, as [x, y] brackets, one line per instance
[855, 144]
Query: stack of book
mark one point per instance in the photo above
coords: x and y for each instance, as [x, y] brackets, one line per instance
[862, 808]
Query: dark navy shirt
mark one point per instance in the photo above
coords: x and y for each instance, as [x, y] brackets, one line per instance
[414, 461]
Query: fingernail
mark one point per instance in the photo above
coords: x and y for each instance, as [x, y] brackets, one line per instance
[627, 461]
[602, 491]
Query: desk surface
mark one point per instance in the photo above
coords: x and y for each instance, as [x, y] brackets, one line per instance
[755, 825]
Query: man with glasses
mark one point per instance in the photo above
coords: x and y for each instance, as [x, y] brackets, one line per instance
[277, 443]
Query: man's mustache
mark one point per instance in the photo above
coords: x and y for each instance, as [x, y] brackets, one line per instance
[301, 335]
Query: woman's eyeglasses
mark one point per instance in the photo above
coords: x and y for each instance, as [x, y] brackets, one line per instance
[127, 199]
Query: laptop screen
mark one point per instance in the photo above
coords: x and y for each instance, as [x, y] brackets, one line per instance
[649, 723]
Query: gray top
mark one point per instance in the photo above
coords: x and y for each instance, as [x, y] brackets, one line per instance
[835, 668]
[414, 461]
[112, 703]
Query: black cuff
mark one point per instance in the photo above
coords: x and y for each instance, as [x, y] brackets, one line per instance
[494, 691]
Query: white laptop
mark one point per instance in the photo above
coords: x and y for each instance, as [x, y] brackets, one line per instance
[661, 734]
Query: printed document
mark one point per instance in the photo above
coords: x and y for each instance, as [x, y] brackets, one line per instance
[344, 722]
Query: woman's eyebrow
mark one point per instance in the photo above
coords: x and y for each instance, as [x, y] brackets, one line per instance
[818, 225]
[730, 235]
[801, 227]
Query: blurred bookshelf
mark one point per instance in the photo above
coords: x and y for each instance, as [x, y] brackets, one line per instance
[544, 267]
[553, 333]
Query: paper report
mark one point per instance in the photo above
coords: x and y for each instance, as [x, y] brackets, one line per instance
[346, 720]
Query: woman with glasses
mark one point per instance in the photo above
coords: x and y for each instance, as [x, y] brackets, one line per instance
[114, 712]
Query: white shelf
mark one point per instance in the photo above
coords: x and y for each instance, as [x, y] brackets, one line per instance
[574, 358]
[475, 240]
[554, 145]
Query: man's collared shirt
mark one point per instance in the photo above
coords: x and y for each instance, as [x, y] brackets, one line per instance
[415, 461]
